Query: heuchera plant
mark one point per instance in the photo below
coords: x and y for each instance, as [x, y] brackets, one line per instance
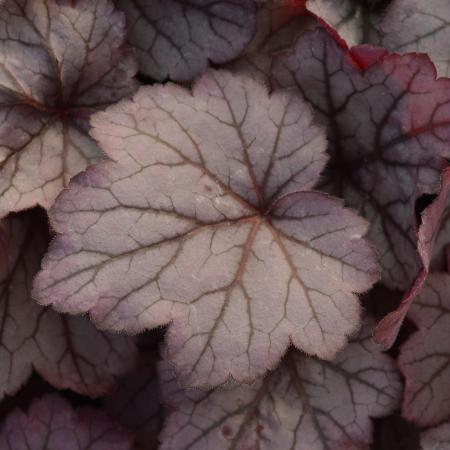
[225, 225]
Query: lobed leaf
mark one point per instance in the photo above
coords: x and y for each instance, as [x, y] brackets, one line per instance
[425, 358]
[51, 424]
[418, 26]
[206, 223]
[177, 39]
[304, 404]
[60, 61]
[388, 124]
[66, 351]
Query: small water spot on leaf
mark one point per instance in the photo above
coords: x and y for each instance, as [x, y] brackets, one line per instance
[227, 431]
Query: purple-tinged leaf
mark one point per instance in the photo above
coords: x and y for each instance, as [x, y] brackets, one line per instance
[389, 131]
[177, 39]
[60, 61]
[437, 438]
[136, 402]
[51, 424]
[421, 26]
[425, 358]
[305, 404]
[206, 223]
[277, 26]
[432, 240]
[69, 352]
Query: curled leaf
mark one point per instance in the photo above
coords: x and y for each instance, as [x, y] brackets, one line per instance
[60, 61]
[433, 239]
[305, 404]
[69, 352]
[388, 124]
[206, 222]
[425, 358]
[177, 39]
[51, 424]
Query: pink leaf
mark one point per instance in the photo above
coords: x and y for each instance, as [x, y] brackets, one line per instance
[60, 61]
[51, 424]
[207, 223]
[67, 351]
[437, 438]
[425, 357]
[389, 130]
[177, 39]
[418, 26]
[432, 240]
[304, 404]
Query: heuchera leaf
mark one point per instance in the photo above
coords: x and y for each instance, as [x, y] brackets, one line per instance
[425, 358]
[277, 26]
[437, 438]
[418, 26]
[389, 129]
[59, 62]
[177, 39]
[51, 424]
[354, 20]
[207, 223]
[67, 351]
[305, 404]
[433, 237]
[136, 402]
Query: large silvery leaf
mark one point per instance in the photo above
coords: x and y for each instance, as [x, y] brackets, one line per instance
[278, 23]
[305, 404]
[177, 39]
[59, 62]
[433, 239]
[425, 357]
[388, 127]
[66, 351]
[207, 222]
[355, 20]
[437, 438]
[421, 26]
[51, 424]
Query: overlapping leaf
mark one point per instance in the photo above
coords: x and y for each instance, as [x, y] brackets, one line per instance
[51, 424]
[356, 21]
[177, 39]
[305, 404]
[433, 238]
[421, 26]
[59, 62]
[67, 351]
[207, 222]
[277, 26]
[425, 357]
[136, 402]
[389, 130]
[437, 438]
